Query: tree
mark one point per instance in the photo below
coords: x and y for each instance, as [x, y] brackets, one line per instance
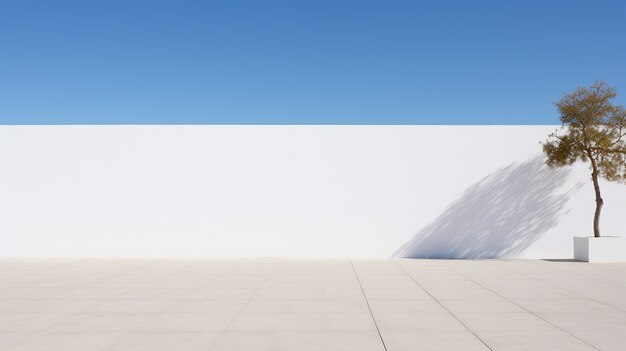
[594, 131]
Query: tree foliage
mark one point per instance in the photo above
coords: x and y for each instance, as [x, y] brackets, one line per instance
[594, 130]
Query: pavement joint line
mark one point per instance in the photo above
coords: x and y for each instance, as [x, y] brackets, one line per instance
[440, 304]
[564, 289]
[116, 343]
[591, 277]
[524, 308]
[576, 274]
[267, 277]
[239, 261]
[69, 316]
[368, 306]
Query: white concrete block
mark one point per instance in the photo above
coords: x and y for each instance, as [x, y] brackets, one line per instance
[602, 249]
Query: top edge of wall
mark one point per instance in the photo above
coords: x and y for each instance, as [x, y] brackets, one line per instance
[279, 125]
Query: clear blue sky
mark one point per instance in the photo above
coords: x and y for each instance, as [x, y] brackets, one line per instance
[303, 62]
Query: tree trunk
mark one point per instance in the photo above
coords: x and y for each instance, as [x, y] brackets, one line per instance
[596, 188]
[599, 203]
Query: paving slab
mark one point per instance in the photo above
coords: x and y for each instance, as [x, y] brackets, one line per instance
[280, 304]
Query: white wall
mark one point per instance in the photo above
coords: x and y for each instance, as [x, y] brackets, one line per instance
[293, 191]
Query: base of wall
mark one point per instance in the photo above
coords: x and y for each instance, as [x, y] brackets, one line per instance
[603, 249]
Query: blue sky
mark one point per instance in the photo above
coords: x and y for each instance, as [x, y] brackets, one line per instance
[303, 62]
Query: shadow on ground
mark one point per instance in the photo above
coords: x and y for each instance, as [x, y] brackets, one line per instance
[498, 217]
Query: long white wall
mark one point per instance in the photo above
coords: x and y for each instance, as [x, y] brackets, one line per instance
[292, 191]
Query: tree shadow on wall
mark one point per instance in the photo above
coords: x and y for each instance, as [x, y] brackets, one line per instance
[498, 217]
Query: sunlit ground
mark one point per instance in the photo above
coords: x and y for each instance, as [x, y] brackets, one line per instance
[272, 304]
